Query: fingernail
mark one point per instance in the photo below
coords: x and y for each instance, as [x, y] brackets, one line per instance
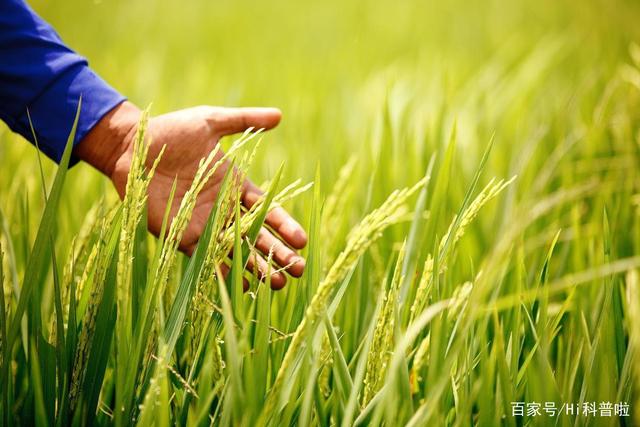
[297, 266]
[299, 262]
[299, 237]
[278, 281]
[291, 225]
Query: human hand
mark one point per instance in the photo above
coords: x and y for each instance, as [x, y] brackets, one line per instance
[190, 135]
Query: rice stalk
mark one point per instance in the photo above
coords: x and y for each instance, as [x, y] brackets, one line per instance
[85, 339]
[490, 191]
[383, 336]
[206, 169]
[326, 366]
[423, 291]
[151, 345]
[459, 300]
[185, 384]
[420, 360]
[163, 268]
[217, 363]
[457, 305]
[133, 207]
[76, 259]
[7, 292]
[154, 409]
[206, 288]
[89, 266]
[362, 236]
[226, 199]
[454, 233]
[226, 238]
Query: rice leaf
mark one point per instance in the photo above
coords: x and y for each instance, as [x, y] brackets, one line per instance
[37, 258]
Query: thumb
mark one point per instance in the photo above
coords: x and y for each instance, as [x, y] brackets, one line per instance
[236, 120]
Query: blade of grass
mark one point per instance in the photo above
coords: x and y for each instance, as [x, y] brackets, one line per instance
[233, 404]
[5, 381]
[37, 258]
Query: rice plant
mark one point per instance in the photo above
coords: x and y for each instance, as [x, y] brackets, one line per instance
[469, 186]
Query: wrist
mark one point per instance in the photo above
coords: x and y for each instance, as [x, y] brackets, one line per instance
[110, 138]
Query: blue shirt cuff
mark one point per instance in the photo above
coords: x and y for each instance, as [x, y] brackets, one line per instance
[53, 111]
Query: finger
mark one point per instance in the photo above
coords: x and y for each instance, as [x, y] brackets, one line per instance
[282, 254]
[224, 269]
[279, 219]
[278, 279]
[228, 121]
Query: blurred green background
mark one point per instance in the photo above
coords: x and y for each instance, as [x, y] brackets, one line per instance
[329, 64]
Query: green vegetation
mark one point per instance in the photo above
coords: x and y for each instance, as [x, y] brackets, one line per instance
[473, 221]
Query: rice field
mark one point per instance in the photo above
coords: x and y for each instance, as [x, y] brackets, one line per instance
[468, 174]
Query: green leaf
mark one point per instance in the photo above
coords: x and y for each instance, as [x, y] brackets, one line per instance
[233, 404]
[61, 356]
[344, 381]
[263, 210]
[416, 233]
[237, 269]
[41, 417]
[4, 349]
[184, 293]
[37, 258]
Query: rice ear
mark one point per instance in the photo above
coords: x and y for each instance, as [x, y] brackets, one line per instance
[383, 336]
[367, 232]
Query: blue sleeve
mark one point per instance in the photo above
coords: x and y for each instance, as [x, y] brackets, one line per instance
[40, 74]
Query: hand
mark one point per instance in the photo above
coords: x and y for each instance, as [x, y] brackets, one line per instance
[190, 135]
